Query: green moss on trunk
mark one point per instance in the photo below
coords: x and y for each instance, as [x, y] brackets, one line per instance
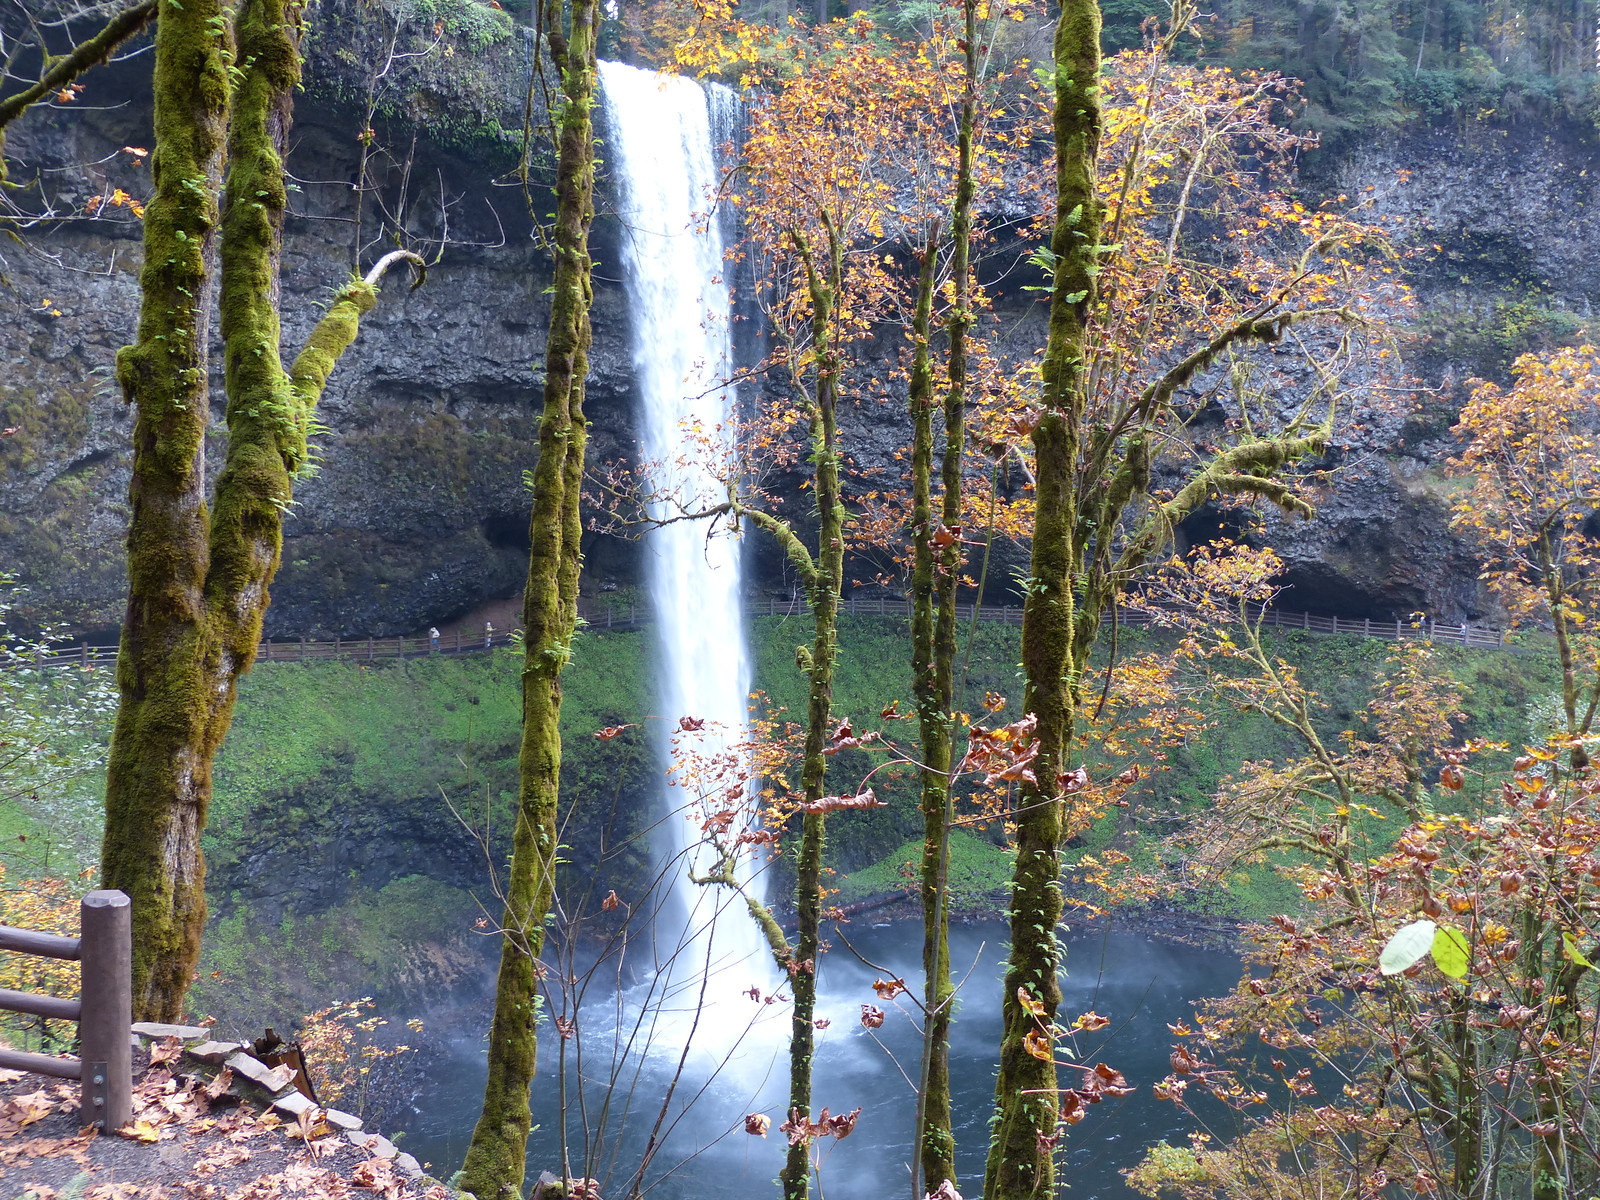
[198, 577]
[495, 1161]
[930, 671]
[824, 583]
[1021, 1153]
[159, 768]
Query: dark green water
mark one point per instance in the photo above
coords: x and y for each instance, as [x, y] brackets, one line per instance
[1139, 983]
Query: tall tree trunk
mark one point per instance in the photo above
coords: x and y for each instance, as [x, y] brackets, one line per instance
[158, 773]
[1021, 1153]
[937, 1144]
[826, 582]
[198, 578]
[934, 1144]
[496, 1159]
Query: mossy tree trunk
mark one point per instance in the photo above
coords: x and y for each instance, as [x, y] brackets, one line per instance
[495, 1161]
[931, 1130]
[159, 770]
[1021, 1153]
[198, 574]
[825, 581]
[1092, 464]
[934, 594]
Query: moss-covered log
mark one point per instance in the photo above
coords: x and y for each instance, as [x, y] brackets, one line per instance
[496, 1158]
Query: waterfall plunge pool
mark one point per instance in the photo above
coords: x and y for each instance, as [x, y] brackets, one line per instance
[1141, 984]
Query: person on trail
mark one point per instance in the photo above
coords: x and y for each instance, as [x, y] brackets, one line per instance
[433, 638]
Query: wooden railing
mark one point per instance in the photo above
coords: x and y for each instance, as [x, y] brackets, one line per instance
[632, 616]
[104, 1013]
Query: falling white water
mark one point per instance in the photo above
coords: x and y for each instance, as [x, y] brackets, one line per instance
[661, 147]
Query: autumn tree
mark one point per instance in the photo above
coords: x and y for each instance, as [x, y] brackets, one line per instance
[814, 198]
[1427, 1013]
[1533, 455]
[1118, 458]
[936, 570]
[823, 163]
[496, 1159]
[198, 572]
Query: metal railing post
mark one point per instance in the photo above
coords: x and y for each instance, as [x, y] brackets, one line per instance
[103, 1029]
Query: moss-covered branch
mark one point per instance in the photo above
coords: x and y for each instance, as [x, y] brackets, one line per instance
[63, 69]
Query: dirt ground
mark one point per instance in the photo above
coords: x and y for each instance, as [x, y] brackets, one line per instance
[198, 1132]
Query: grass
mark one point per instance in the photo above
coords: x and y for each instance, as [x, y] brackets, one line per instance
[336, 864]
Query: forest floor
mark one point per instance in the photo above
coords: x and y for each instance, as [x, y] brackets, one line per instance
[197, 1134]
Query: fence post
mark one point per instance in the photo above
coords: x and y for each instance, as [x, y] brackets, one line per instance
[103, 1028]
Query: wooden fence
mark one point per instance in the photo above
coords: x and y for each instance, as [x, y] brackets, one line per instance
[633, 616]
[104, 1013]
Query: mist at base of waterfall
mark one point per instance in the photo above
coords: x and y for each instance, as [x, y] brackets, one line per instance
[1141, 984]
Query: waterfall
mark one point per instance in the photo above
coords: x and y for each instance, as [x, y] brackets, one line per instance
[662, 153]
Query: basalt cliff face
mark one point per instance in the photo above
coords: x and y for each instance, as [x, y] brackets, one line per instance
[417, 511]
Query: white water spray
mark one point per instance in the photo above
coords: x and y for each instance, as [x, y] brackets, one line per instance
[661, 147]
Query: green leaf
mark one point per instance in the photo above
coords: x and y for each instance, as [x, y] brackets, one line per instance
[1409, 943]
[1450, 952]
[1569, 947]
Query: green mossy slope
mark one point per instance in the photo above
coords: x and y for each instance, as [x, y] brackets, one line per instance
[332, 847]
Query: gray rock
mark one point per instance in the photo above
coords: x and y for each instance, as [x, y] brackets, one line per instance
[213, 1052]
[342, 1120]
[408, 1166]
[157, 1031]
[293, 1103]
[373, 1143]
[272, 1079]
